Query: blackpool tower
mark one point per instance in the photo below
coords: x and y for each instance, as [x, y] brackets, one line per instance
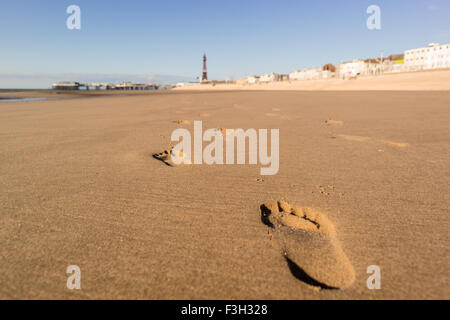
[205, 70]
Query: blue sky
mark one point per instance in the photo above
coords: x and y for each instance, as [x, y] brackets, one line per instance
[139, 40]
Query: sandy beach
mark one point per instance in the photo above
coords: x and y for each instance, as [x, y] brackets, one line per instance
[80, 187]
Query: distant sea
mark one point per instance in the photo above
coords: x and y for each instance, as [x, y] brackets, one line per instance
[21, 90]
[23, 99]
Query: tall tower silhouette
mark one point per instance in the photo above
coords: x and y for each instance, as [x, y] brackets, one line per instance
[205, 70]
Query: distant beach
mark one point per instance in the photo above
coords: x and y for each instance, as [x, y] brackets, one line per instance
[433, 80]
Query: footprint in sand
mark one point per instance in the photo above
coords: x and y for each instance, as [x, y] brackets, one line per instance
[277, 115]
[309, 244]
[353, 138]
[327, 190]
[396, 144]
[167, 157]
[337, 123]
[182, 122]
[225, 131]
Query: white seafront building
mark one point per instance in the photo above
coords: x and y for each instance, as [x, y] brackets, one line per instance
[306, 74]
[270, 77]
[252, 79]
[311, 74]
[367, 67]
[435, 56]
[352, 69]
[248, 80]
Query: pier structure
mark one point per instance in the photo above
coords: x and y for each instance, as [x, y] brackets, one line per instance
[66, 85]
[133, 86]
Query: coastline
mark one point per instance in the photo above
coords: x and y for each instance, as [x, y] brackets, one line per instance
[433, 80]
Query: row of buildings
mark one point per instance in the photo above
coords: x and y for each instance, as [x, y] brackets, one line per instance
[435, 56]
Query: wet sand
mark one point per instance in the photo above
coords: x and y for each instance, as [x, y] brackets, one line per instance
[80, 187]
